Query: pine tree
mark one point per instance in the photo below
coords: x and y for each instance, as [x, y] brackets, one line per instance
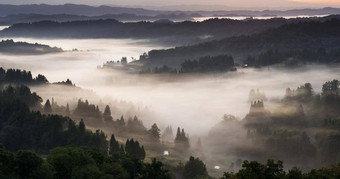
[107, 114]
[133, 148]
[67, 111]
[143, 154]
[121, 122]
[154, 133]
[114, 145]
[47, 107]
[128, 146]
[82, 127]
[181, 140]
[178, 135]
[71, 125]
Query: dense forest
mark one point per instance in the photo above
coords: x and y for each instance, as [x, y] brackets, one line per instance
[294, 57]
[24, 48]
[33, 17]
[70, 149]
[221, 63]
[110, 28]
[48, 129]
[16, 76]
[275, 169]
[78, 162]
[292, 40]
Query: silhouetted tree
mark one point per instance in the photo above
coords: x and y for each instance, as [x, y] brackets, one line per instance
[82, 127]
[47, 107]
[181, 140]
[107, 114]
[195, 168]
[114, 145]
[121, 121]
[133, 148]
[156, 170]
[154, 133]
[67, 111]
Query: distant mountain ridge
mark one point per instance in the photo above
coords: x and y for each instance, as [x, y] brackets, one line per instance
[29, 18]
[74, 9]
[85, 10]
[213, 28]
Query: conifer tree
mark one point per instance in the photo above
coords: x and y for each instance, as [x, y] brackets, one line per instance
[154, 133]
[142, 153]
[67, 111]
[181, 140]
[71, 125]
[82, 127]
[133, 148]
[47, 107]
[114, 145]
[178, 134]
[107, 114]
[121, 122]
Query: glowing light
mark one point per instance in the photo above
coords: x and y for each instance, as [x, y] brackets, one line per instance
[319, 1]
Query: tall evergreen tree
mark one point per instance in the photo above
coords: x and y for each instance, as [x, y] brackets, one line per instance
[47, 107]
[82, 127]
[134, 149]
[67, 111]
[121, 121]
[107, 114]
[114, 145]
[178, 134]
[154, 133]
[181, 140]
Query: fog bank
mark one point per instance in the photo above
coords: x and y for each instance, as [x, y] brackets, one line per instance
[195, 103]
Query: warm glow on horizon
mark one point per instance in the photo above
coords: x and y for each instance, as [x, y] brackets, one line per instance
[334, 2]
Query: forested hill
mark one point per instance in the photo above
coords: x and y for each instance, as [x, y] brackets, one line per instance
[29, 18]
[11, 47]
[75, 9]
[85, 10]
[311, 35]
[216, 28]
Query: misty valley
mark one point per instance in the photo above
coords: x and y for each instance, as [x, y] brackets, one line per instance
[159, 94]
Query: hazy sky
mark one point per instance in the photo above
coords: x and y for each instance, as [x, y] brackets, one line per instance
[222, 4]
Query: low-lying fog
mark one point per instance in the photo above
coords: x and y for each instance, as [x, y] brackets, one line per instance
[200, 19]
[195, 103]
[3, 27]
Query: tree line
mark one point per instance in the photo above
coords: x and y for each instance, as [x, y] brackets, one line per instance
[294, 57]
[77, 162]
[16, 76]
[220, 63]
